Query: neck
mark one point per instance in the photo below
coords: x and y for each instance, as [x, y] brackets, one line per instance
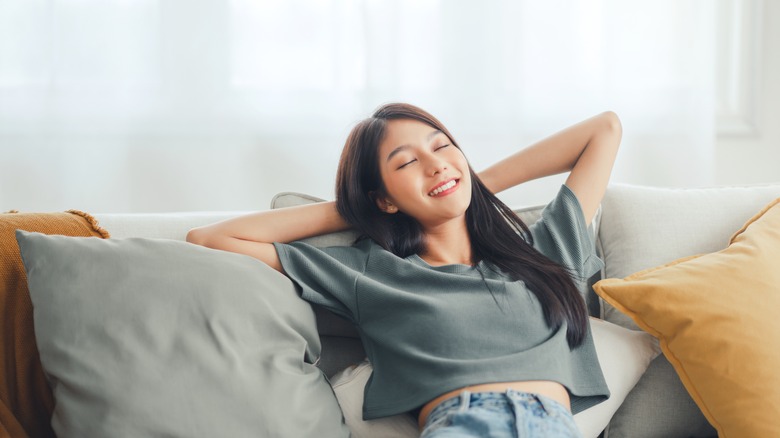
[447, 244]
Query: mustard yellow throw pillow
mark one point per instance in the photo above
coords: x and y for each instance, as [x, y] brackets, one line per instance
[717, 317]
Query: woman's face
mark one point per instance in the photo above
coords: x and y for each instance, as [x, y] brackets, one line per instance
[424, 174]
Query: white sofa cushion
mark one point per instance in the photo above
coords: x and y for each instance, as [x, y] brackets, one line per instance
[643, 227]
[159, 225]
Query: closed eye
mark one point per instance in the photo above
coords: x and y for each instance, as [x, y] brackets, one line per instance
[406, 164]
[442, 146]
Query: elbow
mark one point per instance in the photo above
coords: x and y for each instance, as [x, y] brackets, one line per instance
[611, 130]
[612, 122]
[198, 236]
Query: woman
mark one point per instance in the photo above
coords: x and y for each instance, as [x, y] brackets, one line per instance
[472, 320]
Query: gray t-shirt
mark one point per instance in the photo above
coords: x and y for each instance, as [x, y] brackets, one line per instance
[429, 330]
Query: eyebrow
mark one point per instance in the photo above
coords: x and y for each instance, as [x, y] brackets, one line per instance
[406, 146]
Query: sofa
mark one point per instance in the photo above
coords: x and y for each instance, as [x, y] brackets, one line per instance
[143, 334]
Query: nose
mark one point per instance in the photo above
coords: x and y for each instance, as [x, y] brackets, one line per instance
[436, 166]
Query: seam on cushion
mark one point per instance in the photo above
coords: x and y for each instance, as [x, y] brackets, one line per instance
[676, 363]
[634, 315]
[658, 268]
[688, 383]
[92, 222]
[756, 217]
[607, 296]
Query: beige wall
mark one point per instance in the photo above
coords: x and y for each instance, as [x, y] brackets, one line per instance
[755, 157]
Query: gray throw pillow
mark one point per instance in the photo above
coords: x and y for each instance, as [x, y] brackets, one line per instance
[154, 337]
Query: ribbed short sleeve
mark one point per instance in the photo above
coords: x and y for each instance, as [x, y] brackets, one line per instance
[326, 276]
[562, 235]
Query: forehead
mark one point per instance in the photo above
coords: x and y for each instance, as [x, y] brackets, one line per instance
[405, 132]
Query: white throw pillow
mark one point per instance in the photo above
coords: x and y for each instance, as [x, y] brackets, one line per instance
[348, 385]
[624, 355]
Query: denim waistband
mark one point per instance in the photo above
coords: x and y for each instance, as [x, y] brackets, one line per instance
[489, 399]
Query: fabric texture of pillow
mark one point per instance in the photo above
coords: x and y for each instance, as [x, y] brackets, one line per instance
[716, 318]
[154, 337]
[643, 227]
[623, 354]
[26, 401]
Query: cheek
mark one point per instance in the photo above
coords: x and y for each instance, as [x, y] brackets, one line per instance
[467, 184]
[406, 185]
[463, 161]
[395, 185]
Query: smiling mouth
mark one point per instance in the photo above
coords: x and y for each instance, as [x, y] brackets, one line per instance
[444, 188]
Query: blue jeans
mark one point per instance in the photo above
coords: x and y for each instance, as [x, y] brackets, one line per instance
[507, 414]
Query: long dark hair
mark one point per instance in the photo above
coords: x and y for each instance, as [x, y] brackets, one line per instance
[498, 236]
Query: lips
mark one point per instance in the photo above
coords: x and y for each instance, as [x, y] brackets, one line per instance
[443, 187]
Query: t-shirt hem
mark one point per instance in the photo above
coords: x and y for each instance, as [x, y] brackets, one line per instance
[586, 397]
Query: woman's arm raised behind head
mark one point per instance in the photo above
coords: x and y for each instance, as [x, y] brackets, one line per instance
[587, 149]
[254, 234]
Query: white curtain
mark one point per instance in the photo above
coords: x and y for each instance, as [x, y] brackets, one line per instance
[179, 105]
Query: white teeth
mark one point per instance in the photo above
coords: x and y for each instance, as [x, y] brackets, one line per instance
[447, 186]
